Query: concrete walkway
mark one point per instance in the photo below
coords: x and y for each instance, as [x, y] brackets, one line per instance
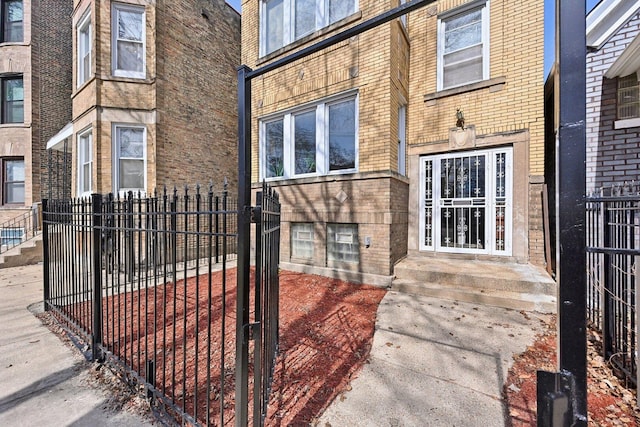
[435, 363]
[44, 382]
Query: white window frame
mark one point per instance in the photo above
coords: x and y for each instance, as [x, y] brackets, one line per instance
[288, 22]
[402, 140]
[322, 139]
[484, 5]
[115, 9]
[85, 143]
[403, 18]
[117, 157]
[84, 48]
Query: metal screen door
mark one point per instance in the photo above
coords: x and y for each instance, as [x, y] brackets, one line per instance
[466, 202]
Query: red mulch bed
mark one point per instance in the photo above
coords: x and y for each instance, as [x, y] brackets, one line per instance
[609, 402]
[326, 332]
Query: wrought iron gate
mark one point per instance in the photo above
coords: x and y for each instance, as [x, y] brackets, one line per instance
[148, 284]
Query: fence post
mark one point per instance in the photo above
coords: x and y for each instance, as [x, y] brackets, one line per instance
[45, 255]
[96, 268]
[607, 301]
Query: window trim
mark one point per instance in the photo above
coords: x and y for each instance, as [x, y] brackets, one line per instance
[484, 6]
[4, 22]
[81, 163]
[3, 179]
[116, 158]
[84, 24]
[293, 237]
[115, 8]
[322, 138]
[288, 22]
[4, 103]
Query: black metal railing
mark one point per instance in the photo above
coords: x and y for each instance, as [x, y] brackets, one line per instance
[20, 229]
[613, 250]
[149, 283]
[267, 290]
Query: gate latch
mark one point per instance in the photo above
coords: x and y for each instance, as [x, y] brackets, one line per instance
[253, 329]
[255, 214]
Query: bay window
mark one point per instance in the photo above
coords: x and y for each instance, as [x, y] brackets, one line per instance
[130, 162]
[285, 21]
[12, 106]
[12, 22]
[85, 160]
[13, 181]
[84, 49]
[317, 140]
[128, 41]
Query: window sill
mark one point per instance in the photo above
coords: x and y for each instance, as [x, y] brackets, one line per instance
[316, 34]
[13, 207]
[22, 43]
[13, 125]
[494, 85]
[627, 123]
[125, 79]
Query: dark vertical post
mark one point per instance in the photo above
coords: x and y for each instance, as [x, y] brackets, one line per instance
[607, 301]
[96, 268]
[244, 242]
[258, 314]
[45, 255]
[571, 185]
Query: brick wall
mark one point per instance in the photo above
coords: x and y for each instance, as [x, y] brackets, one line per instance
[613, 155]
[52, 69]
[198, 53]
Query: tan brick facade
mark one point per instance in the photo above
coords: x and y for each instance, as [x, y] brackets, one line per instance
[185, 101]
[42, 58]
[393, 66]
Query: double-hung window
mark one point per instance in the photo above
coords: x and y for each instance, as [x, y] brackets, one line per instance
[130, 162]
[12, 21]
[463, 46]
[128, 40]
[12, 107]
[320, 139]
[13, 181]
[628, 97]
[85, 160]
[84, 49]
[285, 21]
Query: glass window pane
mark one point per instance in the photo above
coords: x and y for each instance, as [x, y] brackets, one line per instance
[342, 242]
[131, 174]
[339, 9]
[274, 11]
[14, 192]
[129, 56]
[86, 178]
[463, 31]
[305, 17]
[12, 21]
[130, 25]
[305, 142]
[131, 142]
[302, 240]
[14, 170]
[274, 161]
[342, 136]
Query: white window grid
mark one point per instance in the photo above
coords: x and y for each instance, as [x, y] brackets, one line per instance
[84, 49]
[484, 6]
[117, 157]
[322, 139]
[115, 40]
[287, 9]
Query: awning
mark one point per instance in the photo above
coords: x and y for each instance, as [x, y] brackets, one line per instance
[57, 141]
[628, 62]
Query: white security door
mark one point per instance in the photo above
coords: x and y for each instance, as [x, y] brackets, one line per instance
[466, 203]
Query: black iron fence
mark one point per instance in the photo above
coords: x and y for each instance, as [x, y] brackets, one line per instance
[150, 283]
[613, 251]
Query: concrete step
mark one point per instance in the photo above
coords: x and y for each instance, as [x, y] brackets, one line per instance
[27, 253]
[477, 274]
[498, 298]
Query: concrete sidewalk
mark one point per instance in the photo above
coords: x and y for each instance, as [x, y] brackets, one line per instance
[435, 363]
[43, 381]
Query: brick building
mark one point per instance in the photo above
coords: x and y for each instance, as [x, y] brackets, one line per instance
[154, 89]
[35, 85]
[423, 137]
[613, 104]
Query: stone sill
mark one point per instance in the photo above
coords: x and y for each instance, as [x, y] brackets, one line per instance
[494, 85]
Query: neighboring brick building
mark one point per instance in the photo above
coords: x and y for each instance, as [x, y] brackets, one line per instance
[35, 85]
[613, 102]
[154, 98]
[357, 139]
